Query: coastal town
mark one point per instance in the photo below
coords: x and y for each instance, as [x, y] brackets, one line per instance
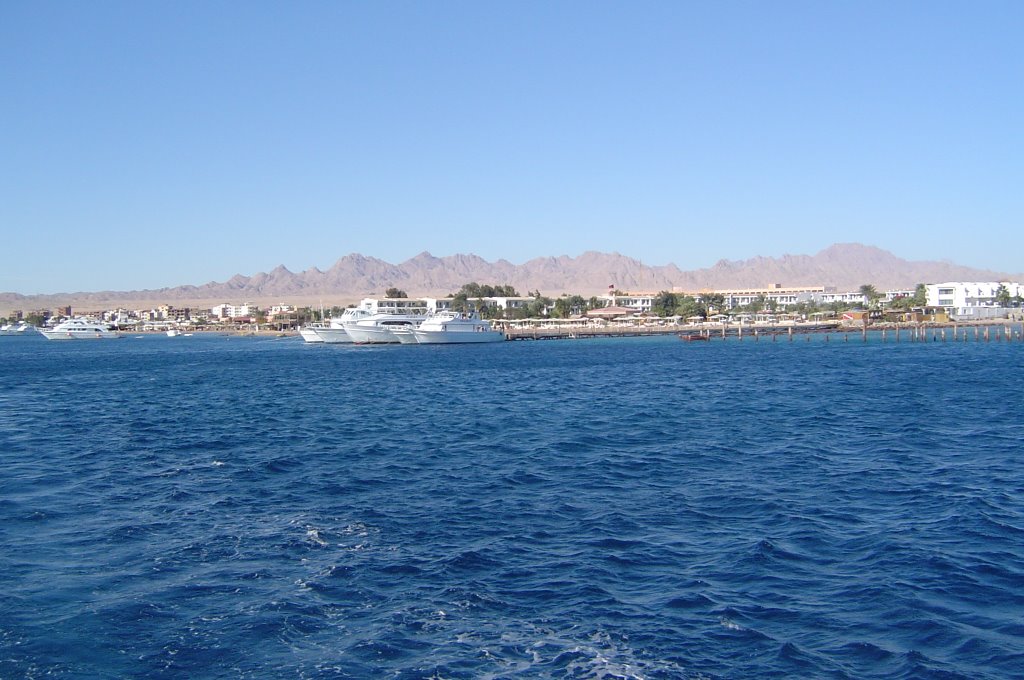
[506, 309]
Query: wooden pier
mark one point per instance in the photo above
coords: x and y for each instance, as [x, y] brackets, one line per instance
[896, 333]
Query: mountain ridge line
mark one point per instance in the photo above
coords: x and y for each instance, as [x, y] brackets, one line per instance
[844, 266]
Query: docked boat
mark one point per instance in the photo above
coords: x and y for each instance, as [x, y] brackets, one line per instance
[404, 335]
[694, 337]
[79, 329]
[376, 328]
[311, 332]
[454, 327]
[334, 332]
[19, 328]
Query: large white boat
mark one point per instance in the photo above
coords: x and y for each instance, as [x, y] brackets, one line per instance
[376, 328]
[79, 329]
[455, 327]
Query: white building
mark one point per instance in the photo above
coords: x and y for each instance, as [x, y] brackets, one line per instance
[847, 298]
[971, 299]
[891, 295]
[234, 311]
[638, 303]
[434, 305]
[643, 302]
[398, 305]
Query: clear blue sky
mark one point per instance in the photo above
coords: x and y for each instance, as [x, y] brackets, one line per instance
[150, 144]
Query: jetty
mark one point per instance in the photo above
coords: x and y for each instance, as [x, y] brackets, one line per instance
[886, 332]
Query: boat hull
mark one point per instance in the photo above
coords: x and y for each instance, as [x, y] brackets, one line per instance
[334, 336]
[457, 337]
[404, 335]
[79, 335]
[370, 335]
[310, 334]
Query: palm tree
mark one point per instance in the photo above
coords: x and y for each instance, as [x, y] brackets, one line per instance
[870, 294]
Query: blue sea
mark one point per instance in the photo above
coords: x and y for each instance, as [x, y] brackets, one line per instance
[215, 507]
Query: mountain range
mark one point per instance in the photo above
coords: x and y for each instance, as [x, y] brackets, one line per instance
[843, 266]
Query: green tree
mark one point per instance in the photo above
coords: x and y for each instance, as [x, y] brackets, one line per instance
[561, 309]
[1003, 296]
[688, 306]
[395, 293]
[920, 296]
[713, 303]
[539, 306]
[665, 304]
[460, 302]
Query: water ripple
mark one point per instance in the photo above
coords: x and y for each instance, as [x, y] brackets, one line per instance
[593, 509]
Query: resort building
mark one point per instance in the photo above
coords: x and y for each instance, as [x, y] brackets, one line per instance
[973, 299]
[891, 295]
[434, 305]
[641, 303]
[782, 296]
[637, 303]
[847, 298]
[234, 311]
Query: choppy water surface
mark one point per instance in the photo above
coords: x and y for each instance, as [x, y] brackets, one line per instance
[630, 508]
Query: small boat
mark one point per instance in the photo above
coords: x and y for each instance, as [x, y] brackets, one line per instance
[79, 329]
[16, 329]
[694, 337]
[173, 332]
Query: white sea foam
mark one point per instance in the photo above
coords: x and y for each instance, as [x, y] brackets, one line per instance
[313, 534]
[729, 624]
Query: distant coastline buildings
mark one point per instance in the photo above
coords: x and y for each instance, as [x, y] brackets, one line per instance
[959, 300]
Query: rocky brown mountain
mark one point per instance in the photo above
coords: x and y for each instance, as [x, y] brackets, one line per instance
[844, 266]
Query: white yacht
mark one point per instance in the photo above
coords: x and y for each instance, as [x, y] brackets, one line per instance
[376, 328]
[79, 329]
[454, 327]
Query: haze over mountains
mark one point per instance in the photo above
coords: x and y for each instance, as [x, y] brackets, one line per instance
[845, 266]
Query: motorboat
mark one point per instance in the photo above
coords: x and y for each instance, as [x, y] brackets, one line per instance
[311, 332]
[376, 328]
[79, 329]
[455, 327]
[19, 328]
[337, 332]
[173, 332]
[334, 332]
